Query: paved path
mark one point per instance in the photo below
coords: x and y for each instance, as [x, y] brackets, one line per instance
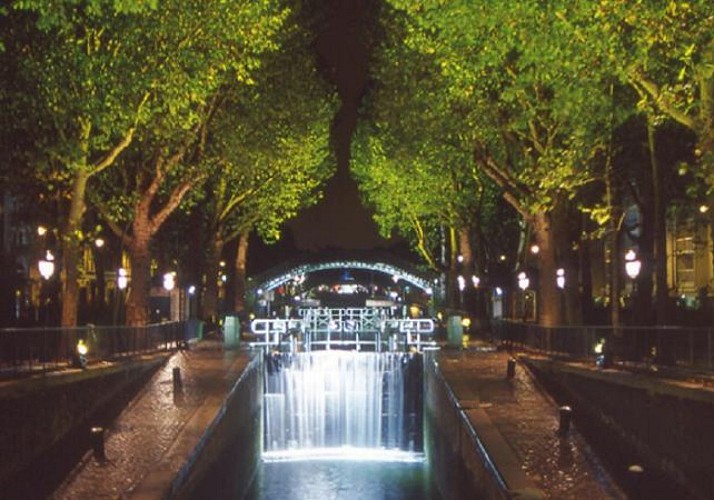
[564, 467]
[152, 438]
[155, 434]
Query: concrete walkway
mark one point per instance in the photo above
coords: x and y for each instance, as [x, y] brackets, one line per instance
[527, 420]
[155, 435]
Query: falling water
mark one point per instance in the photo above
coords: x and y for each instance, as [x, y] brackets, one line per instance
[331, 400]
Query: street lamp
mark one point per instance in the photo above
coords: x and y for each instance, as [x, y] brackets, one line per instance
[47, 265]
[632, 264]
[560, 278]
[169, 281]
[462, 286]
[122, 279]
[523, 281]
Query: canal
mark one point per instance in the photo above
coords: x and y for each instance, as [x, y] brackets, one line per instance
[336, 425]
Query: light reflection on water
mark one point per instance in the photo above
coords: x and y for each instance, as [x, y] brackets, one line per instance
[343, 479]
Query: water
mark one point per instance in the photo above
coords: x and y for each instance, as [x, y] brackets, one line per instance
[336, 425]
[333, 399]
[343, 480]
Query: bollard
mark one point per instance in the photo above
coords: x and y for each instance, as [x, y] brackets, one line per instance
[177, 378]
[565, 417]
[97, 438]
[635, 474]
[511, 368]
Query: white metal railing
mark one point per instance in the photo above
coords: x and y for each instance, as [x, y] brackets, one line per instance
[352, 327]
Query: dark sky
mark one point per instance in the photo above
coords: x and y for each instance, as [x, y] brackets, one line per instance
[339, 220]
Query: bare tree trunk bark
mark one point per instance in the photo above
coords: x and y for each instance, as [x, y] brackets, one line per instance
[71, 249]
[240, 272]
[548, 310]
[659, 234]
[137, 305]
[613, 245]
[209, 304]
[452, 286]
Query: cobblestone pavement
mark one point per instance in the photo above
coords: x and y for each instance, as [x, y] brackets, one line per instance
[562, 466]
[140, 440]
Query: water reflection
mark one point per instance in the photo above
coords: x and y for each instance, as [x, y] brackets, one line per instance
[343, 479]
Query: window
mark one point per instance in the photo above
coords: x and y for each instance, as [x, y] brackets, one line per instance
[684, 264]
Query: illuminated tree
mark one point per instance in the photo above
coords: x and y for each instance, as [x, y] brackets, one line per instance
[77, 105]
[205, 46]
[409, 160]
[530, 107]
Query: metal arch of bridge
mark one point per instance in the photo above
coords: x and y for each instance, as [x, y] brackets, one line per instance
[411, 277]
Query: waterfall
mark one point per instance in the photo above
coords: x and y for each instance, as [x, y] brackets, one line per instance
[342, 399]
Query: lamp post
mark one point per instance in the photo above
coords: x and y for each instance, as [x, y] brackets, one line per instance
[523, 283]
[560, 278]
[169, 283]
[462, 286]
[633, 265]
[122, 284]
[47, 269]
[560, 283]
[47, 266]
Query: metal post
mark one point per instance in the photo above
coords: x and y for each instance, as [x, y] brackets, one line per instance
[511, 368]
[565, 417]
[635, 475]
[177, 378]
[97, 438]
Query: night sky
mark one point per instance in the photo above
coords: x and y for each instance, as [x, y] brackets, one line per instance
[339, 220]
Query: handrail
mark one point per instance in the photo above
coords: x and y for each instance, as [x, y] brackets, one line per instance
[347, 327]
[691, 347]
[42, 349]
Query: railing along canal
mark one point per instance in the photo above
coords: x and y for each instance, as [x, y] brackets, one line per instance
[668, 345]
[356, 328]
[30, 349]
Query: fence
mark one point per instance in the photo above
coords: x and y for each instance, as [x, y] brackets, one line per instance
[31, 349]
[667, 345]
[336, 329]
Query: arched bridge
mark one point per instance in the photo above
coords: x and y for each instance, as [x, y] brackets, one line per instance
[404, 271]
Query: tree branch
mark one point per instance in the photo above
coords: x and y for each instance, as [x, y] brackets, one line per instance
[641, 82]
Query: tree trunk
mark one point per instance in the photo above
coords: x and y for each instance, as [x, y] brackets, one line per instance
[659, 235]
[71, 249]
[566, 233]
[452, 285]
[99, 303]
[585, 282]
[466, 252]
[240, 272]
[137, 306]
[613, 243]
[209, 304]
[468, 295]
[548, 303]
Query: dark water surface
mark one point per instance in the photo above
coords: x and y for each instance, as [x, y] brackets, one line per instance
[343, 480]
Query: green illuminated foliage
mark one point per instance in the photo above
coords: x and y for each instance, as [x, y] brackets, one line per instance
[267, 150]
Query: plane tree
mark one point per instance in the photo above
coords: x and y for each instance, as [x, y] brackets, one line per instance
[80, 89]
[203, 47]
[268, 149]
[532, 108]
[664, 51]
[409, 160]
